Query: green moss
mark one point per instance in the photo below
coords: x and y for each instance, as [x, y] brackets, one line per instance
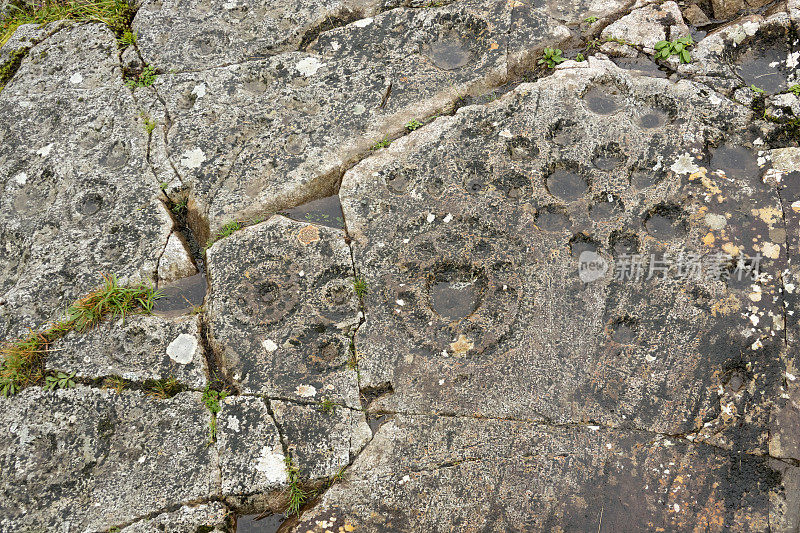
[10, 67]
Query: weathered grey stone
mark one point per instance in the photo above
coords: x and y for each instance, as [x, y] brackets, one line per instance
[86, 460]
[253, 138]
[139, 349]
[508, 386]
[251, 455]
[26, 36]
[176, 36]
[281, 311]
[322, 442]
[753, 51]
[469, 232]
[176, 261]
[423, 473]
[726, 9]
[211, 517]
[648, 25]
[78, 198]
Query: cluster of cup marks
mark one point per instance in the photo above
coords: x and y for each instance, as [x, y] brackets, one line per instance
[566, 183]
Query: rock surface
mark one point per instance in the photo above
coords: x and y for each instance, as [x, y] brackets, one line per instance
[554, 297]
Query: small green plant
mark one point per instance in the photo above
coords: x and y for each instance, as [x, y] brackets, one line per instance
[164, 185]
[413, 125]
[360, 286]
[296, 494]
[212, 399]
[59, 380]
[111, 299]
[590, 20]
[757, 90]
[150, 125]
[338, 476]
[352, 361]
[128, 38]
[145, 78]
[165, 388]
[180, 207]
[228, 229]
[551, 57]
[382, 144]
[678, 47]
[327, 406]
[580, 57]
[115, 383]
[795, 89]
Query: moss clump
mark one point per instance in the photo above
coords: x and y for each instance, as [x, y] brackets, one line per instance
[10, 67]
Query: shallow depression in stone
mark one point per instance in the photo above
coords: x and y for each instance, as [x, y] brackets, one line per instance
[456, 295]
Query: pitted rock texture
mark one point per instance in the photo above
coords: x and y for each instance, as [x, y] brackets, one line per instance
[553, 299]
[78, 198]
[118, 457]
[282, 310]
[136, 348]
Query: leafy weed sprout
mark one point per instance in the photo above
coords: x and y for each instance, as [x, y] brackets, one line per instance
[145, 78]
[59, 380]
[795, 89]
[678, 47]
[551, 57]
[384, 143]
[212, 399]
[413, 125]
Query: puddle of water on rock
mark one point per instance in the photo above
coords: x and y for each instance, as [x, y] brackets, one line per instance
[325, 211]
[268, 524]
[641, 66]
[601, 100]
[449, 54]
[765, 68]
[455, 295]
[566, 185]
[737, 161]
[181, 297]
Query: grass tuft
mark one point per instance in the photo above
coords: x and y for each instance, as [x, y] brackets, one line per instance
[116, 14]
[360, 286]
[296, 495]
[22, 361]
[111, 299]
[327, 406]
[164, 388]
